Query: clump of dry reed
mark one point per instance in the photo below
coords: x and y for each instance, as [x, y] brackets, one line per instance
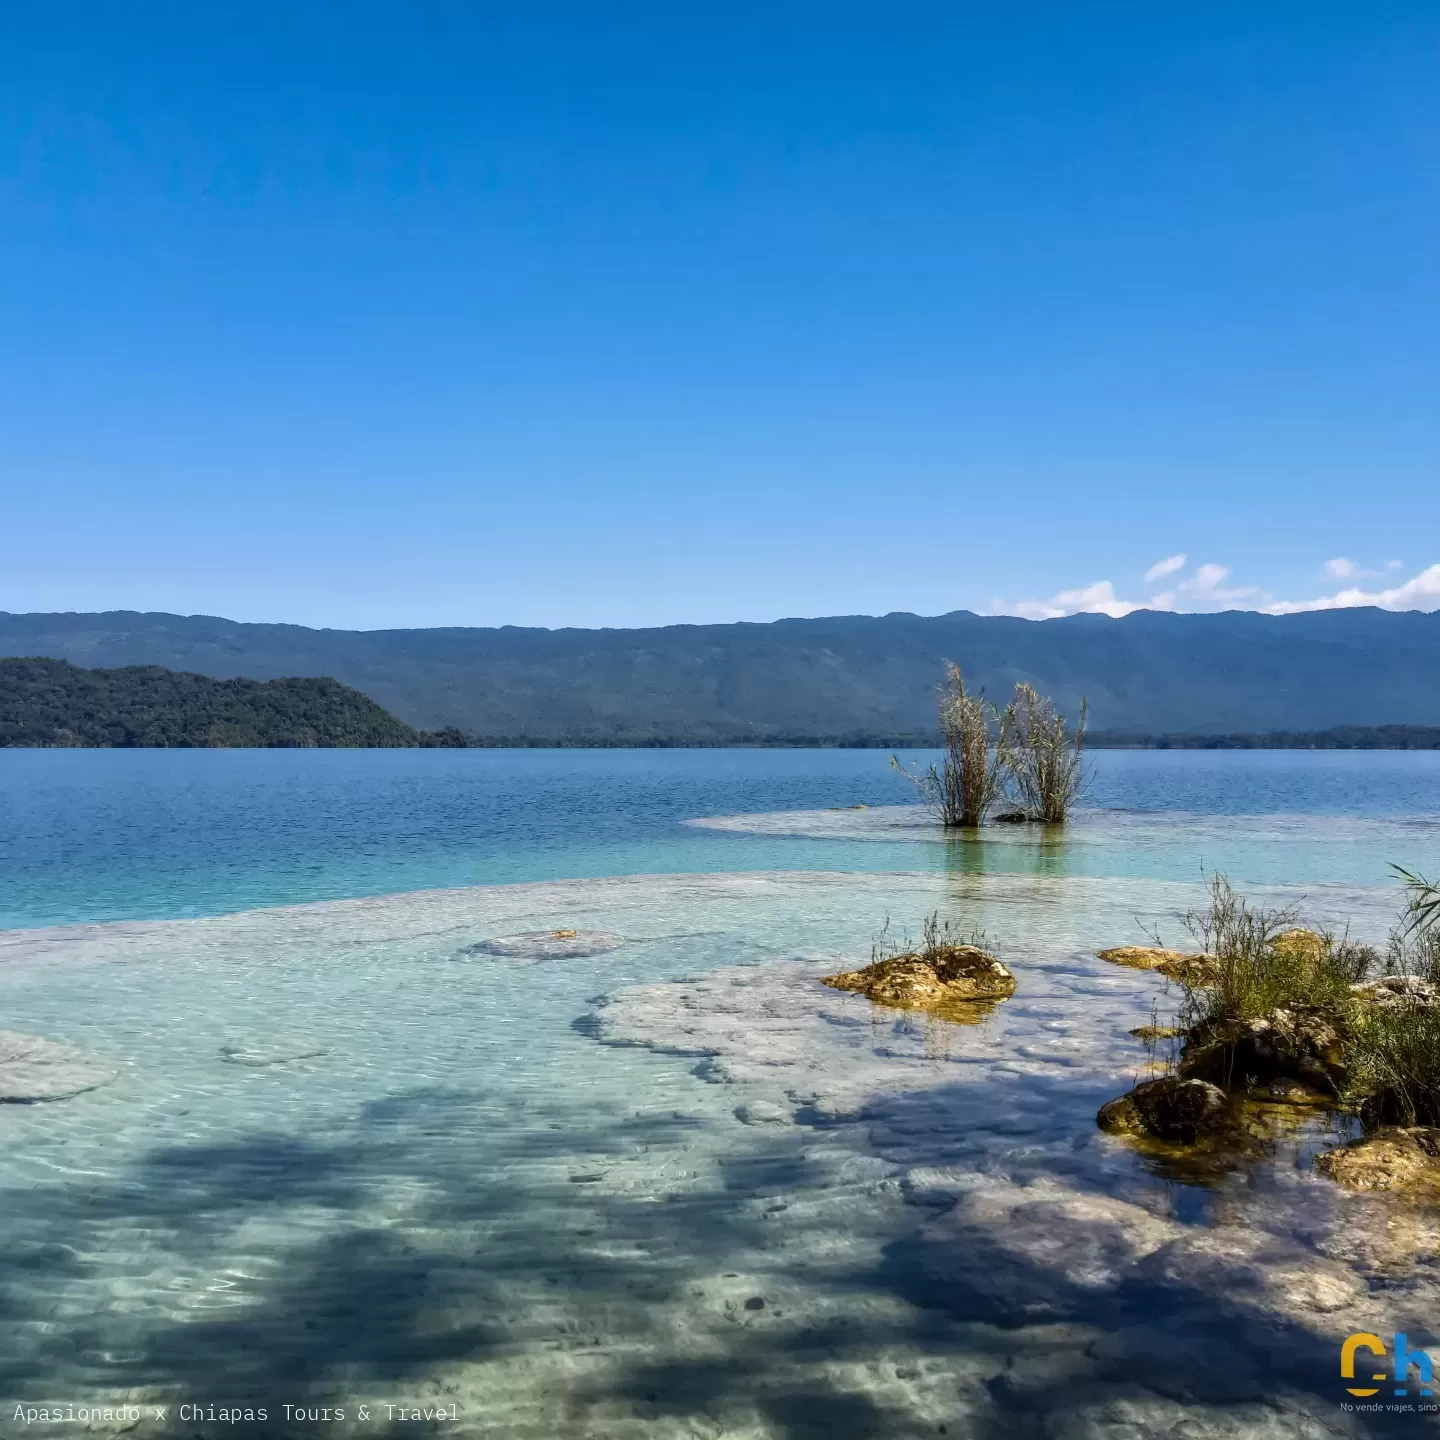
[963, 787]
[1041, 756]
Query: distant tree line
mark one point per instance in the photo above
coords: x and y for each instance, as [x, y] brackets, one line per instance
[49, 703]
[52, 703]
[1339, 737]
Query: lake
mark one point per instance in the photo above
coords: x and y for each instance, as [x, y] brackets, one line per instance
[337, 1154]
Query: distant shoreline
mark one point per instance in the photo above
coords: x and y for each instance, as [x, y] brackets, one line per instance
[1385, 737]
[1344, 737]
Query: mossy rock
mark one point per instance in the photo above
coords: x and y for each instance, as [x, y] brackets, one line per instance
[1187, 967]
[1290, 1093]
[1301, 1044]
[951, 981]
[1171, 1108]
[1193, 1132]
[1405, 1160]
[1300, 944]
[1159, 1032]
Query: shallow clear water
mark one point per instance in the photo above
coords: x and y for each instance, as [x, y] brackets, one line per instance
[679, 1188]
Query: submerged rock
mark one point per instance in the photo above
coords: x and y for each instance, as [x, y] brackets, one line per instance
[1187, 967]
[1043, 1253]
[1172, 1109]
[1396, 992]
[261, 1054]
[33, 1068]
[1139, 957]
[763, 1112]
[1263, 1278]
[940, 980]
[1040, 1252]
[1396, 1159]
[548, 944]
[1290, 1092]
[1300, 1043]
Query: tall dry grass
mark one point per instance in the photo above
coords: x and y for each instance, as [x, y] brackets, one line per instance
[966, 783]
[1040, 755]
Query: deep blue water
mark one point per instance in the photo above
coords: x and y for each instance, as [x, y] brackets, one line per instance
[114, 834]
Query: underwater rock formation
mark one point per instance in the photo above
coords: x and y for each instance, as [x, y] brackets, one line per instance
[1039, 1252]
[1395, 1159]
[33, 1068]
[1044, 1252]
[939, 980]
[1188, 968]
[1257, 1277]
[548, 944]
[1166, 1109]
[261, 1054]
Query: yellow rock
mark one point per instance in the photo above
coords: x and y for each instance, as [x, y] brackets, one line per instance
[1140, 957]
[950, 981]
[1189, 969]
[1403, 1160]
[1298, 944]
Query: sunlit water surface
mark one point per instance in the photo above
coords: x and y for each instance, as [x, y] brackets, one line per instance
[679, 1188]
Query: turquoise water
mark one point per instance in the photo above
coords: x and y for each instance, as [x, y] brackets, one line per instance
[109, 835]
[677, 1188]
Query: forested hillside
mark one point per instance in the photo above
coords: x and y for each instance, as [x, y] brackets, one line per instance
[847, 678]
[54, 703]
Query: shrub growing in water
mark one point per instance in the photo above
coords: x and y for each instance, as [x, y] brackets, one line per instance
[1389, 1053]
[1264, 963]
[963, 787]
[1041, 756]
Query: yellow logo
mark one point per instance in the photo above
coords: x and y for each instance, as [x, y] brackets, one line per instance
[1405, 1360]
[1361, 1341]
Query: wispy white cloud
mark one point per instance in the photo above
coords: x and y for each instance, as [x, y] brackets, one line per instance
[1420, 593]
[1342, 569]
[1097, 599]
[1168, 566]
[1207, 588]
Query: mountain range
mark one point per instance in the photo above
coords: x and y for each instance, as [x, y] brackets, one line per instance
[851, 678]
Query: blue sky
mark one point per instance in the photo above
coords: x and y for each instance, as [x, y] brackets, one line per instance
[534, 313]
